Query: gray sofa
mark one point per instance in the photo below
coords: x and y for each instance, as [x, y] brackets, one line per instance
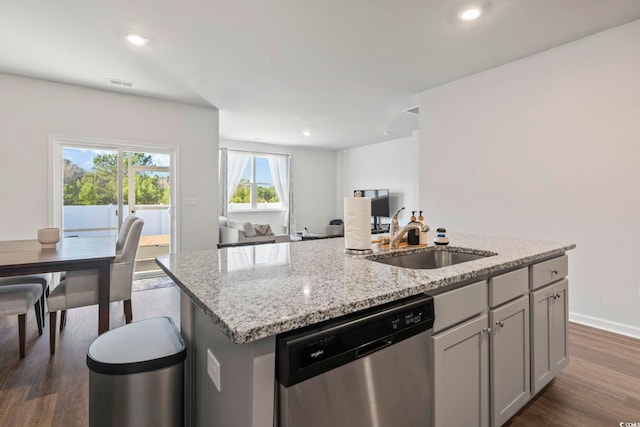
[232, 231]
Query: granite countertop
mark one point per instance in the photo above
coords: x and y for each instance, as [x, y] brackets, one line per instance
[252, 292]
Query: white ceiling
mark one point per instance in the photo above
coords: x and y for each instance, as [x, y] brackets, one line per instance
[345, 70]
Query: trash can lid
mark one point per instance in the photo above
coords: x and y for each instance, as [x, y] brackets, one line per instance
[142, 346]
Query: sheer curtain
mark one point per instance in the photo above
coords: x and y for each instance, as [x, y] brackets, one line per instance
[279, 166]
[232, 164]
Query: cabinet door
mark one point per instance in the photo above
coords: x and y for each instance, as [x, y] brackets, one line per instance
[559, 322]
[461, 375]
[541, 327]
[509, 359]
[550, 348]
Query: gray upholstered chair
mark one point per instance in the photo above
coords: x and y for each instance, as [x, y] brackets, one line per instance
[80, 288]
[122, 237]
[43, 279]
[17, 299]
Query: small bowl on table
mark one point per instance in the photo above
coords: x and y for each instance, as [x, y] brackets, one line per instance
[49, 237]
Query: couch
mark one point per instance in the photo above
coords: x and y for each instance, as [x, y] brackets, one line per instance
[335, 230]
[232, 231]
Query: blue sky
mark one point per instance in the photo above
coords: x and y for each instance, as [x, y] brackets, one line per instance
[263, 174]
[83, 157]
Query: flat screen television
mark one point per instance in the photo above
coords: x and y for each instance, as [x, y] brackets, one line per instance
[379, 204]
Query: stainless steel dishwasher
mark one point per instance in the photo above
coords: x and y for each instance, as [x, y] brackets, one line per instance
[369, 369]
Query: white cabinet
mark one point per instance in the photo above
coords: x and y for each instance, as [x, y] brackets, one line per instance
[509, 359]
[461, 375]
[549, 321]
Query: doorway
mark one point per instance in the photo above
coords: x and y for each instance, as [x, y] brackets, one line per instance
[96, 184]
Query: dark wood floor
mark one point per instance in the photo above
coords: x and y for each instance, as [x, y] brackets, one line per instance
[54, 391]
[600, 387]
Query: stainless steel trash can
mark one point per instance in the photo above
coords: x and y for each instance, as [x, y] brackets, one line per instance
[136, 375]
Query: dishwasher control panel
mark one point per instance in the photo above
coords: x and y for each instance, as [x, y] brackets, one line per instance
[312, 350]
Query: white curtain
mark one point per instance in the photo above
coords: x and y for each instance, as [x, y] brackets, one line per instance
[292, 207]
[279, 167]
[232, 164]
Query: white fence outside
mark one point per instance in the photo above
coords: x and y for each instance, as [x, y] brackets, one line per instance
[90, 221]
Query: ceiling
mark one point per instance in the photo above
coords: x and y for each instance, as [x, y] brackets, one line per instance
[344, 70]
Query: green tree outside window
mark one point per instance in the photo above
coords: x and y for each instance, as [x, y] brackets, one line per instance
[99, 186]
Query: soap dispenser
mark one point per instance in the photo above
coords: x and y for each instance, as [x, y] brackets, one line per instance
[423, 234]
[412, 236]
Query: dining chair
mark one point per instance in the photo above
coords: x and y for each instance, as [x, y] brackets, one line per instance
[17, 299]
[43, 279]
[122, 237]
[124, 231]
[80, 287]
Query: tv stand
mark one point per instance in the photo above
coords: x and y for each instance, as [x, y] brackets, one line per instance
[378, 227]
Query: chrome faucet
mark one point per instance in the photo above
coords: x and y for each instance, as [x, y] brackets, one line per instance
[396, 234]
[393, 227]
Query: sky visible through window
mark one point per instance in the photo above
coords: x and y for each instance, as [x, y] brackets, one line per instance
[263, 173]
[83, 157]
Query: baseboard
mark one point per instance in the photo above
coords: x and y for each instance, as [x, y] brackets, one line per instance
[607, 325]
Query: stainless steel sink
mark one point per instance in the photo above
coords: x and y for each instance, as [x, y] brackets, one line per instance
[428, 259]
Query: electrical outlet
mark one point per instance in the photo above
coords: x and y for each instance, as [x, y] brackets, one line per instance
[213, 369]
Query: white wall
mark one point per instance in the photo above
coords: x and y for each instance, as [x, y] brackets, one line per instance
[390, 164]
[31, 110]
[314, 185]
[548, 147]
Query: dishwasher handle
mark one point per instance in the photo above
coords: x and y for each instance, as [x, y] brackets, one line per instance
[367, 349]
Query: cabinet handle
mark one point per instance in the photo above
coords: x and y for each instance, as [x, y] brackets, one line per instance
[557, 295]
[500, 323]
[487, 330]
[554, 272]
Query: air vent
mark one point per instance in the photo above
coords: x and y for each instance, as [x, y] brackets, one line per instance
[122, 83]
[414, 110]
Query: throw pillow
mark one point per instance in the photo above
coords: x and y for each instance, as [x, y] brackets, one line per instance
[263, 230]
[245, 226]
[222, 221]
[248, 229]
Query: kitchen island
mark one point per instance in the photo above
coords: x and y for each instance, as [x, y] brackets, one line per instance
[234, 302]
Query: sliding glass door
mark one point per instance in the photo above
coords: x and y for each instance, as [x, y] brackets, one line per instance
[90, 192]
[96, 185]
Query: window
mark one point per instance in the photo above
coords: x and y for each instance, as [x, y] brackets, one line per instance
[256, 182]
[97, 183]
[256, 188]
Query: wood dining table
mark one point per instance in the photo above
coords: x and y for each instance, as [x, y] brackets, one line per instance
[20, 257]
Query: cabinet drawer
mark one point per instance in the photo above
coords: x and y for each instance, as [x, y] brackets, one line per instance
[547, 272]
[458, 305]
[506, 287]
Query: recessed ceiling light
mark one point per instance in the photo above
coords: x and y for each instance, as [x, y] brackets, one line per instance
[469, 14]
[306, 132]
[137, 39]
